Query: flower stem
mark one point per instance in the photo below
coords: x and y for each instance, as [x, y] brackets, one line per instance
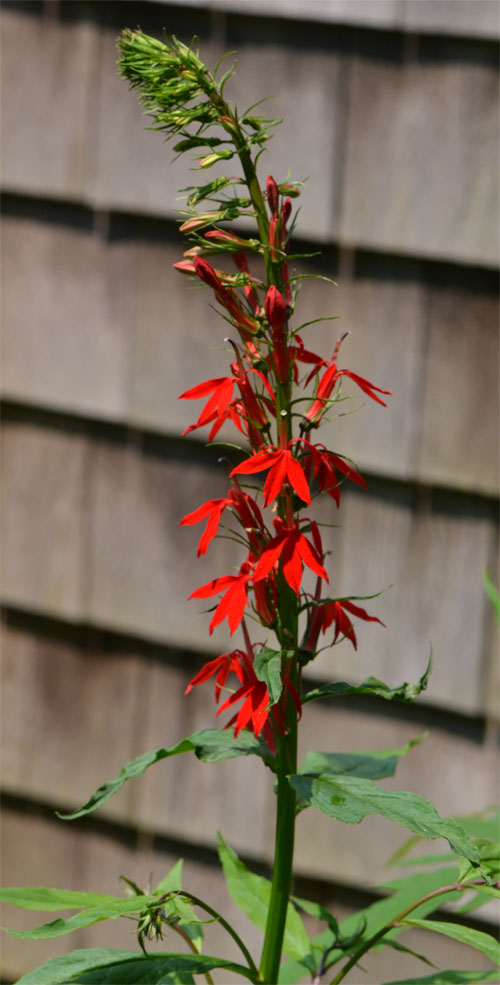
[283, 858]
[453, 887]
[223, 923]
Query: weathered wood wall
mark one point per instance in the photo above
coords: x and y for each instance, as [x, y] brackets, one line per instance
[391, 109]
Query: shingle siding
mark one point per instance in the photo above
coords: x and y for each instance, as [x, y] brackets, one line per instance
[391, 109]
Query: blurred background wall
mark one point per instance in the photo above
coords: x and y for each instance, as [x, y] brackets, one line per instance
[391, 109]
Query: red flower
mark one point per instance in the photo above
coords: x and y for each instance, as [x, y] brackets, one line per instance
[334, 612]
[234, 412]
[243, 504]
[221, 666]
[221, 405]
[305, 355]
[283, 466]
[222, 394]
[254, 710]
[233, 602]
[328, 381]
[213, 509]
[323, 463]
[294, 550]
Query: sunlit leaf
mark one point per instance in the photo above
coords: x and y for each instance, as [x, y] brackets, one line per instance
[209, 745]
[466, 935]
[85, 918]
[482, 977]
[43, 898]
[403, 692]
[107, 966]
[372, 765]
[351, 798]
[252, 894]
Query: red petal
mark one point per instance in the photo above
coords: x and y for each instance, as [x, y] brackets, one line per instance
[365, 385]
[232, 605]
[257, 463]
[316, 536]
[274, 482]
[260, 706]
[297, 478]
[291, 564]
[203, 389]
[212, 587]
[345, 626]
[309, 557]
[211, 528]
[356, 610]
[201, 512]
[233, 698]
[207, 671]
[347, 470]
[269, 557]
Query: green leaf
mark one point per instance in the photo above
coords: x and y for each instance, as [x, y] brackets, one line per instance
[351, 798]
[267, 666]
[404, 692]
[478, 900]
[489, 855]
[205, 191]
[316, 910]
[485, 824]
[252, 894]
[93, 914]
[209, 745]
[396, 946]
[466, 935]
[452, 978]
[172, 881]
[42, 898]
[372, 765]
[107, 966]
[492, 593]
[64, 969]
[378, 915]
[437, 859]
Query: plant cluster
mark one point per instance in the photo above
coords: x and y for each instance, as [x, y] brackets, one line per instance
[277, 394]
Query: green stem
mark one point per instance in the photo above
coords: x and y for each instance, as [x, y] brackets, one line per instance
[227, 926]
[283, 859]
[208, 978]
[453, 887]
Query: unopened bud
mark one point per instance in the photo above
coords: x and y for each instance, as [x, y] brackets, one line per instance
[222, 155]
[275, 308]
[206, 273]
[290, 190]
[286, 210]
[200, 220]
[272, 195]
[185, 267]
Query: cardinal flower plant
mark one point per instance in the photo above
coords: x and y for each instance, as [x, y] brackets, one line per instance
[280, 605]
